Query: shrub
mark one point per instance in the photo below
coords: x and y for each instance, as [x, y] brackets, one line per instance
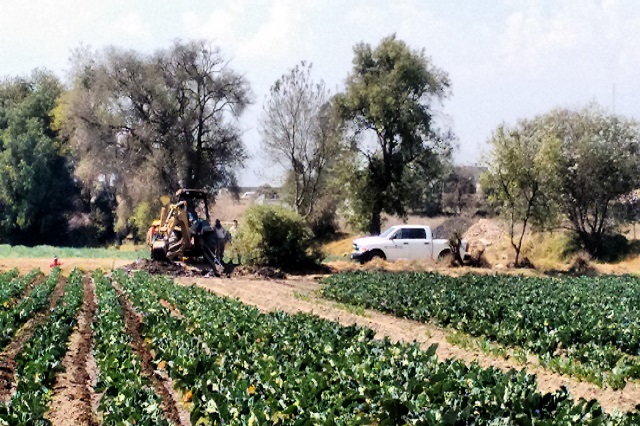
[275, 236]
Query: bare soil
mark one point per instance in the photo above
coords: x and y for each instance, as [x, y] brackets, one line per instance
[8, 355]
[25, 265]
[299, 294]
[73, 392]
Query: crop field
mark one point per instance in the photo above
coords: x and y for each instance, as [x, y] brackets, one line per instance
[117, 348]
[588, 327]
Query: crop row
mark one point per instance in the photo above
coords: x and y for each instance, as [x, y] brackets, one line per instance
[7, 277]
[128, 395]
[12, 288]
[240, 366]
[12, 318]
[591, 324]
[40, 359]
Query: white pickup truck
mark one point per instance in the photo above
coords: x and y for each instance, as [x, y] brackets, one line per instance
[410, 242]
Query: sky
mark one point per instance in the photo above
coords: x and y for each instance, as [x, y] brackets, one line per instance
[506, 59]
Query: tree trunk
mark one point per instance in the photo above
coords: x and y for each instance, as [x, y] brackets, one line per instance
[376, 222]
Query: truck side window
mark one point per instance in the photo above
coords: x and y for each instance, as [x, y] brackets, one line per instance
[414, 234]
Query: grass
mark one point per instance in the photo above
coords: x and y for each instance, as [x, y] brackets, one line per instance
[130, 253]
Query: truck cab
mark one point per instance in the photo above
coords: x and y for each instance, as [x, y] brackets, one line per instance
[411, 242]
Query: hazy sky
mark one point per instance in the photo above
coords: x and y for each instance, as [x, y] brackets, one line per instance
[507, 59]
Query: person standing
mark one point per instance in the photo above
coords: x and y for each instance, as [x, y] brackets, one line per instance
[221, 239]
[233, 232]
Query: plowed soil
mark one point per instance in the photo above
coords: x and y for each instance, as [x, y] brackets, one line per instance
[72, 394]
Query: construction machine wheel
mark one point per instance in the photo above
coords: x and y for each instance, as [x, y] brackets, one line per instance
[159, 251]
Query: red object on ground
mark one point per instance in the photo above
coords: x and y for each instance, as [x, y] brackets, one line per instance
[56, 262]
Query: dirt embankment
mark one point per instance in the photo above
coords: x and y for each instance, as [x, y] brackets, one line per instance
[302, 295]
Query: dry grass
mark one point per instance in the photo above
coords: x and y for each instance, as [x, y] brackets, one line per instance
[342, 247]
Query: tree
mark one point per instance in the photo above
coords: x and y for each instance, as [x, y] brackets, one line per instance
[150, 124]
[517, 181]
[301, 133]
[36, 188]
[390, 95]
[599, 162]
[459, 193]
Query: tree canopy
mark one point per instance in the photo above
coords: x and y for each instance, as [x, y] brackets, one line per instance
[573, 163]
[36, 188]
[301, 133]
[517, 179]
[389, 102]
[598, 162]
[150, 124]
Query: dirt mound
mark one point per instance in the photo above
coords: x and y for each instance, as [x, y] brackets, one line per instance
[179, 269]
[448, 227]
[486, 231]
[266, 272]
[174, 269]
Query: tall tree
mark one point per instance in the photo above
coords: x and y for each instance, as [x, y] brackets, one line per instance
[517, 178]
[36, 188]
[599, 162]
[149, 124]
[301, 133]
[390, 95]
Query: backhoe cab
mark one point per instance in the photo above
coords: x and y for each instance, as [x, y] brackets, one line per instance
[184, 229]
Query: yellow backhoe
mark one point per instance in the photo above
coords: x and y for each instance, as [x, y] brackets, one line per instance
[184, 229]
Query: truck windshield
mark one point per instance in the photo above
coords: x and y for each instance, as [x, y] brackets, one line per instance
[388, 232]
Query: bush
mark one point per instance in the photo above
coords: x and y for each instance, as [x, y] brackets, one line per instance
[275, 236]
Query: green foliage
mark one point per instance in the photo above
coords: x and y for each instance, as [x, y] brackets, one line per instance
[517, 180]
[599, 162]
[275, 236]
[154, 123]
[241, 366]
[390, 93]
[19, 313]
[11, 289]
[128, 395]
[580, 161]
[580, 326]
[143, 215]
[48, 252]
[36, 188]
[40, 359]
[301, 132]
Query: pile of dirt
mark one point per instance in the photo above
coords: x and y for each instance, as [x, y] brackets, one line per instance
[486, 231]
[179, 269]
[266, 272]
[174, 269]
[448, 227]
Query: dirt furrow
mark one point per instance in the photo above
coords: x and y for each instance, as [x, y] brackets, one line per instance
[162, 383]
[8, 356]
[302, 295]
[72, 394]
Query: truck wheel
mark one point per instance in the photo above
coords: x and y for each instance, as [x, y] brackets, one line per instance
[377, 254]
[444, 254]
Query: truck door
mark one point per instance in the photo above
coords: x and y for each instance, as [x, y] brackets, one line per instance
[412, 244]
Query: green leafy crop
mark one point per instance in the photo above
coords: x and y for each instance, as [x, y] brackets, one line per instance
[582, 326]
[39, 360]
[129, 397]
[239, 366]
